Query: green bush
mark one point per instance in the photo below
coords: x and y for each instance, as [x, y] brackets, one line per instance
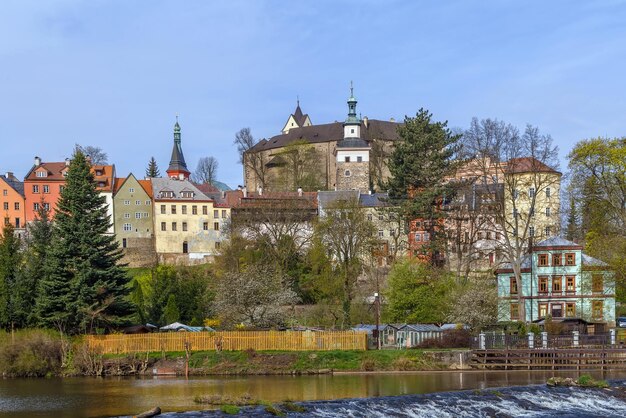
[30, 353]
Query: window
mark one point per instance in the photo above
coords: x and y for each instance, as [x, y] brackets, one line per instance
[597, 308]
[597, 283]
[35, 188]
[426, 236]
[381, 217]
[162, 209]
[223, 213]
[557, 284]
[17, 225]
[346, 159]
[543, 310]
[188, 195]
[5, 205]
[570, 284]
[557, 310]
[352, 130]
[123, 242]
[531, 231]
[547, 211]
[532, 212]
[126, 202]
[548, 191]
[570, 310]
[183, 209]
[42, 174]
[5, 192]
[570, 259]
[543, 284]
[184, 226]
[531, 192]
[392, 232]
[515, 214]
[148, 202]
[515, 194]
[46, 188]
[359, 159]
[418, 236]
[205, 211]
[174, 227]
[16, 206]
[216, 213]
[381, 233]
[137, 202]
[194, 210]
[216, 226]
[61, 188]
[163, 226]
[131, 190]
[513, 285]
[127, 227]
[46, 206]
[127, 216]
[369, 217]
[36, 206]
[173, 209]
[514, 311]
[137, 215]
[205, 226]
[543, 260]
[347, 173]
[557, 259]
[217, 245]
[185, 247]
[548, 231]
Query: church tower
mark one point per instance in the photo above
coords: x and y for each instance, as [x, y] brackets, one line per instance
[177, 168]
[353, 153]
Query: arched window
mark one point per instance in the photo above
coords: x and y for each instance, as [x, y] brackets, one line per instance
[347, 173]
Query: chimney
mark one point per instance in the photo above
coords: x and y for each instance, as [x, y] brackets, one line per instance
[37, 161]
[245, 191]
[300, 191]
[260, 191]
[67, 162]
[223, 194]
[392, 120]
[239, 187]
[365, 121]
[9, 175]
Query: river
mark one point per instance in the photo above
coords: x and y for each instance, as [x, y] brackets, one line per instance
[100, 397]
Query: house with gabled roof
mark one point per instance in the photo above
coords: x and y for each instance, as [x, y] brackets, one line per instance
[12, 203]
[296, 120]
[134, 220]
[558, 281]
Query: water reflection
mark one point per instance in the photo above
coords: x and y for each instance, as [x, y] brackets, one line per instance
[82, 397]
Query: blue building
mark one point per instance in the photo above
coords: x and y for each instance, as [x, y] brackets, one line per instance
[559, 281]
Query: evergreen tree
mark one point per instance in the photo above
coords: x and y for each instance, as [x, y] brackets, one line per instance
[572, 221]
[419, 164]
[84, 287]
[9, 271]
[171, 312]
[153, 169]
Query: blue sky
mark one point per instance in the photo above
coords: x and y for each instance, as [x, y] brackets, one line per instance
[115, 73]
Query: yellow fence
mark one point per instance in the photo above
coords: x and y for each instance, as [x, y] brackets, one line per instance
[229, 340]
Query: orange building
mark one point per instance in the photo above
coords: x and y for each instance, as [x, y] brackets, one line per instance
[12, 205]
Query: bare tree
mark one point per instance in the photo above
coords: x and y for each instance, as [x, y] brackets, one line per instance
[206, 170]
[254, 162]
[95, 154]
[524, 167]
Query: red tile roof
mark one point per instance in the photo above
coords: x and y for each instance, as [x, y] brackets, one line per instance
[528, 165]
[54, 172]
[147, 186]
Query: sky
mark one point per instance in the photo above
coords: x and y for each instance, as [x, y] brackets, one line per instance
[115, 74]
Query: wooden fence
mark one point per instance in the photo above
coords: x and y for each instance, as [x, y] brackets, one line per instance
[229, 340]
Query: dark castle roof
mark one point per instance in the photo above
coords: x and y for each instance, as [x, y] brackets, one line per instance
[376, 129]
[298, 116]
[177, 161]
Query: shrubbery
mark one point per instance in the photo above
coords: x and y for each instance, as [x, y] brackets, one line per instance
[31, 353]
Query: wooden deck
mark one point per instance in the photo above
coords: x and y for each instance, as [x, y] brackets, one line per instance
[583, 358]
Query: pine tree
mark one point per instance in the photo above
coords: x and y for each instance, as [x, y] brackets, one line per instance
[9, 271]
[171, 312]
[419, 164]
[84, 287]
[153, 169]
[572, 221]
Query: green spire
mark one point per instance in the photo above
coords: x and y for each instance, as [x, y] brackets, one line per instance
[352, 118]
[177, 131]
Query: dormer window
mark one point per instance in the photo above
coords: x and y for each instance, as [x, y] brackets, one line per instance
[167, 194]
[98, 172]
[42, 173]
[100, 184]
[187, 194]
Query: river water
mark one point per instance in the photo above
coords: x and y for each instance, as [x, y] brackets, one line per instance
[100, 397]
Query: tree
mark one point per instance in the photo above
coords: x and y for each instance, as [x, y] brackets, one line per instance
[171, 313]
[299, 167]
[520, 172]
[152, 170]
[95, 154]
[349, 238]
[84, 287]
[257, 296]
[206, 171]
[254, 162]
[475, 303]
[419, 165]
[10, 260]
[418, 293]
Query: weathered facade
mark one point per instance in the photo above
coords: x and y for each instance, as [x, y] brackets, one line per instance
[558, 281]
[134, 221]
